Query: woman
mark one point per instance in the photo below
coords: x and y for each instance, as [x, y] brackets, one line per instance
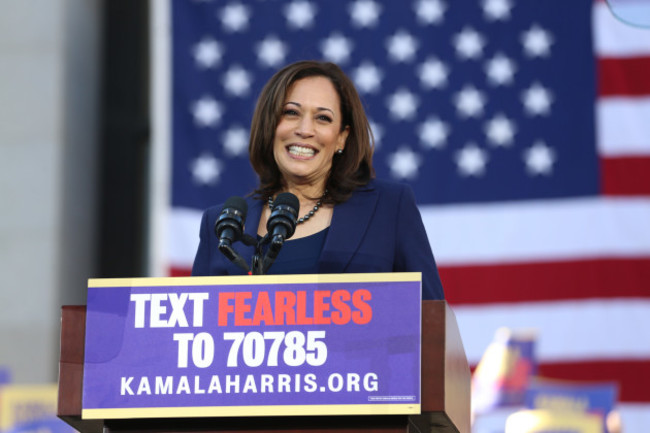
[310, 136]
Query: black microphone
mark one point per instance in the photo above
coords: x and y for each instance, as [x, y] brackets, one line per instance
[229, 228]
[281, 225]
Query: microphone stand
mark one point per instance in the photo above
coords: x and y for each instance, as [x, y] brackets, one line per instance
[257, 265]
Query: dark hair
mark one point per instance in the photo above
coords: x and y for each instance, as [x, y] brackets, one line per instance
[350, 170]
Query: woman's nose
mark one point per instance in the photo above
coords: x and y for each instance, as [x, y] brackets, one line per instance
[305, 127]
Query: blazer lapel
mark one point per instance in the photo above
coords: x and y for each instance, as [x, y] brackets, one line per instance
[349, 223]
[253, 217]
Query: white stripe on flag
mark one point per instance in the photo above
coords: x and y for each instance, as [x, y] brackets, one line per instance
[623, 126]
[613, 38]
[539, 230]
[183, 236]
[566, 330]
[498, 233]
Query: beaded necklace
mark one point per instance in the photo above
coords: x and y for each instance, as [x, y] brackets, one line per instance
[308, 214]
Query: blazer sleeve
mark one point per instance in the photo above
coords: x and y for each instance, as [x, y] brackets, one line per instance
[201, 265]
[413, 251]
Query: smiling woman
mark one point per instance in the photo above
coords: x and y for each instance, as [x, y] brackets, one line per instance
[310, 137]
[308, 134]
[329, 94]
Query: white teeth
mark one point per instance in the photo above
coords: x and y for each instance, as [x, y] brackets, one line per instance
[301, 151]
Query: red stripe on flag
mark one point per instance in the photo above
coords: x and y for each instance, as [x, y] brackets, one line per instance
[180, 272]
[626, 175]
[623, 76]
[598, 278]
[550, 281]
[632, 376]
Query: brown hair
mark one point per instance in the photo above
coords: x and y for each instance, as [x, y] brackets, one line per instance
[350, 170]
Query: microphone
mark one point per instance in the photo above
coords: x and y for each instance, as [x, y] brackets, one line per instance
[229, 228]
[281, 225]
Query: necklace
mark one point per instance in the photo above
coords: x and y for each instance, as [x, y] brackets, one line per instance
[308, 214]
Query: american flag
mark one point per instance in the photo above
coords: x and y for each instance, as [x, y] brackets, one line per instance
[522, 126]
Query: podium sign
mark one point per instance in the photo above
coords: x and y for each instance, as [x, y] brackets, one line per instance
[253, 346]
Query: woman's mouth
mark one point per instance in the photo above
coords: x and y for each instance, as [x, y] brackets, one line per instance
[301, 151]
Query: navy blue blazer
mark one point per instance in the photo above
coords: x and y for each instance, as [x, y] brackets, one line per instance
[379, 229]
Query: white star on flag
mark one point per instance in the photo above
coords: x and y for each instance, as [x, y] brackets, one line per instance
[271, 52]
[208, 53]
[234, 17]
[404, 163]
[537, 100]
[537, 42]
[235, 141]
[429, 11]
[206, 111]
[300, 14]
[367, 77]
[401, 47]
[469, 101]
[433, 73]
[206, 169]
[364, 13]
[402, 104]
[471, 160]
[237, 81]
[433, 133]
[336, 48]
[500, 130]
[539, 159]
[500, 70]
[469, 43]
[496, 10]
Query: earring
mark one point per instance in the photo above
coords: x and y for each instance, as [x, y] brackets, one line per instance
[339, 151]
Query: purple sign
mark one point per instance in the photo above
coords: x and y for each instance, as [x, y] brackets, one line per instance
[253, 345]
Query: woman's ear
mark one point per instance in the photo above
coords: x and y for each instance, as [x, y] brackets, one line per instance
[343, 137]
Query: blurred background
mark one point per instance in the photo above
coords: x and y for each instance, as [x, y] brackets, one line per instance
[522, 127]
[74, 146]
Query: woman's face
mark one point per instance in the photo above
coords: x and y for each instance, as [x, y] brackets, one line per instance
[309, 131]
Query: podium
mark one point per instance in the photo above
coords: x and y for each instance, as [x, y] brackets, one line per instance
[445, 390]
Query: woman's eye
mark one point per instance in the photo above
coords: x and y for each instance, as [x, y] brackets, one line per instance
[324, 118]
[290, 112]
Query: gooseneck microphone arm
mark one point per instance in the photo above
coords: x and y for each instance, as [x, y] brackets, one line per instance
[232, 255]
[274, 249]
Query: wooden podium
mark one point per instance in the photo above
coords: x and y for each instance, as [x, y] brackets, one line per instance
[445, 398]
